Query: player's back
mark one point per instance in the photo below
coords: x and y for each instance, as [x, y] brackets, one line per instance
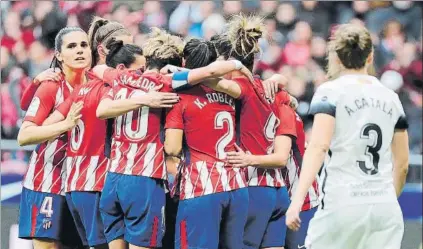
[258, 124]
[137, 147]
[208, 120]
[86, 162]
[359, 169]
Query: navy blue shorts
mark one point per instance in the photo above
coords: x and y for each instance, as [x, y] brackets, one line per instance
[46, 216]
[133, 207]
[212, 221]
[265, 224]
[84, 207]
[295, 240]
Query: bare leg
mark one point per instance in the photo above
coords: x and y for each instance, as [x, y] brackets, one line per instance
[46, 244]
[118, 244]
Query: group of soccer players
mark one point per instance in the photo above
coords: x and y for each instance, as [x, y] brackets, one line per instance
[119, 118]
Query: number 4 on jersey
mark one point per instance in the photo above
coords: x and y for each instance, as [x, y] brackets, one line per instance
[47, 206]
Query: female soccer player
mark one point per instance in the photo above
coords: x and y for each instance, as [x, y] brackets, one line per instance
[209, 185]
[43, 211]
[362, 125]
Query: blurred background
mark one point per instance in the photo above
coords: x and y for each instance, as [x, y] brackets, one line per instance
[295, 45]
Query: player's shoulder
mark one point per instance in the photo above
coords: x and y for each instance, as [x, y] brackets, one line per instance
[282, 97]
[49, 87]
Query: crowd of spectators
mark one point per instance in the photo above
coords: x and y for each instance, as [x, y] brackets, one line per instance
[295, 41]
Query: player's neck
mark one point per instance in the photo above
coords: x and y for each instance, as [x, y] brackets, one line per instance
[74, 77]
[353, 71]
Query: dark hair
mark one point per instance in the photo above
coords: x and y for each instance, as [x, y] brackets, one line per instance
[161, 49]
[352, 44]
[199, 53]
[58, 42]
[120, 53]
[222, 45]
[101, 32]
[243, 34]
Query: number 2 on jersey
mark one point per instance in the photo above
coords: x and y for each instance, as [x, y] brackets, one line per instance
[372, 150]
[219, 120]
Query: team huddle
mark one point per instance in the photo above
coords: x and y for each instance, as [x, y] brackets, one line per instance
[176, 144]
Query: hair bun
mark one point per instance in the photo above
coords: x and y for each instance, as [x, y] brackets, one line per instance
[114, 46]
[353, 40]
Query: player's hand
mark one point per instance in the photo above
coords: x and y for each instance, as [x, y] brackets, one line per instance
[271, 87]
[169, 69]
[238, 158]
[74, 114]
[52, 74]
[293, 221]
[293, 102]
[156, 99]
[247, 73]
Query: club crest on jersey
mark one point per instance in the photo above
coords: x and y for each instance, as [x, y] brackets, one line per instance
[46, 223]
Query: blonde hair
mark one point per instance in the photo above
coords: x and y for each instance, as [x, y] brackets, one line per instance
[162, 45]
[243, 33]
[350, 44]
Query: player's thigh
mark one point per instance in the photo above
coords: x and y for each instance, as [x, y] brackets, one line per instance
[344, 227]
[234, 219]
[198, 221]
[261, 204]
[110, 209]
[296, 239]
[143, 210]
[40, 215]
[274, 236]
[387, 226]
[87, 204]
[45, 244]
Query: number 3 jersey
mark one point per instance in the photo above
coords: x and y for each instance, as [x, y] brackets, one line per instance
[137, 148]
[86, 164]
[208, 120]
[359, 168]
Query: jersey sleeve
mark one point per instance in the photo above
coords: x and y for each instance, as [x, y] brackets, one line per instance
[27, 96]
[174, 118]
[324, 101]
[401, 123]
[287, 117]
[246, 90]
[64, 107]
[42, 103]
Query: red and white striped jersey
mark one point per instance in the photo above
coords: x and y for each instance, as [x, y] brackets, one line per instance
[208, 120]
[292, 125]
[86, 164]
[258, 123]
[45, 172]
[137, 148]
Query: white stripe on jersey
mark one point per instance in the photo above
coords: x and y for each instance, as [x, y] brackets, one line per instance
[149, 159]
[130, 158]
[238, 178]
[48, 166]
[252, 176]
[29, 178]
[89, 184]
[77, 167]
[115, 161]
